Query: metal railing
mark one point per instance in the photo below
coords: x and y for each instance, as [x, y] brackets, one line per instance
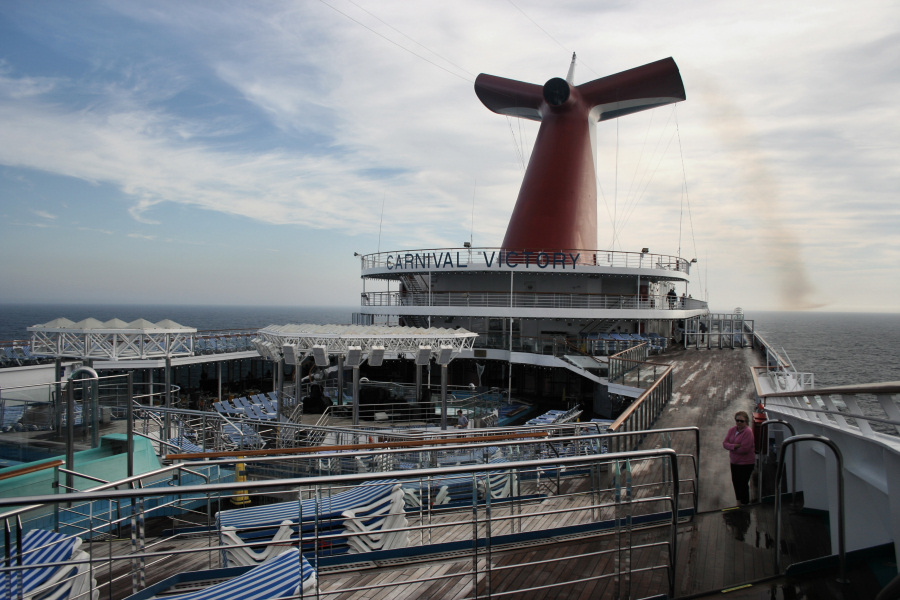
[862, 424]
[96, 517]
[628, 361]
[839, 479]
[212, 431]
[479, 299]
[872, 410]
[642, 413]
[482, 527]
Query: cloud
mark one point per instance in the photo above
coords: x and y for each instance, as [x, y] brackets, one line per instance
[315, 115]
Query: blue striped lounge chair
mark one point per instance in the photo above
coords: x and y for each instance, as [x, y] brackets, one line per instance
[41, 578]
[277, 577]
[268, 405]
[259, 413]
[186, 445]
[271, 524]
[241, 435]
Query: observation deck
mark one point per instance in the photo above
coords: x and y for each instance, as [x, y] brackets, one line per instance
[528, 284]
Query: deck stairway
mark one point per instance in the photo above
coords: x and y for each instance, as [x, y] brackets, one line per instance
[416, 287]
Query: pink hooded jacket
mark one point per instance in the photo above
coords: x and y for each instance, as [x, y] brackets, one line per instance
[744, 438]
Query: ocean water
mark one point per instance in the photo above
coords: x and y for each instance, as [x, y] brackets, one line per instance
[839, 348]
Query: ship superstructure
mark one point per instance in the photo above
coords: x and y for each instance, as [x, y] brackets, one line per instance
[547, 296]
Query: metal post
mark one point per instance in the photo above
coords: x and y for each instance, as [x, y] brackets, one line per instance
[129, 417]
[340, 379]
[298, 378]
[509, 362]
[279, 390]
[167, 418]
[70, 423]
[219, 378]
[95, 414]
[57, 404]
[70, 435]
[355, 393]
[418, 383]
[443, 397]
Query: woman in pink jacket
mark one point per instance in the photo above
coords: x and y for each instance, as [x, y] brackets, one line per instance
[739, 443]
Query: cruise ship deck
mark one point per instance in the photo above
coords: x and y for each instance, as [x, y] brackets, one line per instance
[600, 530]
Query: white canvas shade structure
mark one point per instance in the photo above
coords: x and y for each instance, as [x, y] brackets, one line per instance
[361, 342]
[113, 340]
[353, 344]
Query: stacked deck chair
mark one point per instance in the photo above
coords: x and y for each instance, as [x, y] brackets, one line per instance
[366, 510]
[187, 446]
[287, 574]
[459, 488]
[238, 436]
[43, 577]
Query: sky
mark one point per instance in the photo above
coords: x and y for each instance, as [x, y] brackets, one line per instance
[179, 152]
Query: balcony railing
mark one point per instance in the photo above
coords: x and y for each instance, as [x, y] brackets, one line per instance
[530, 300]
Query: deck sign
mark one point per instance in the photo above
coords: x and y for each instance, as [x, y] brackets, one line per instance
[509, 259]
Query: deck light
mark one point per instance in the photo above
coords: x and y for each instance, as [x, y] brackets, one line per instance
[376, 356]
[290, 356]
[444, 355]
[320, 353]
[423, 356]
[272, 351]
[354, 356]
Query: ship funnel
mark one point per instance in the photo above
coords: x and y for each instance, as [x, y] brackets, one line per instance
[556, 210]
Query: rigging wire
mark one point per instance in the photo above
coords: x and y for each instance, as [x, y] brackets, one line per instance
[616, 192]
[523, 141]
[381, 221]
[640, 156]
[687, 198]
[649, 173]
[424, 47]
[472, 227]
[555, 41]
[533, 22]
[520, 151]
[633, 206]
[470, 79]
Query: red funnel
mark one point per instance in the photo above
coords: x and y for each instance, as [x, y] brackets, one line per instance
[557, 205]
